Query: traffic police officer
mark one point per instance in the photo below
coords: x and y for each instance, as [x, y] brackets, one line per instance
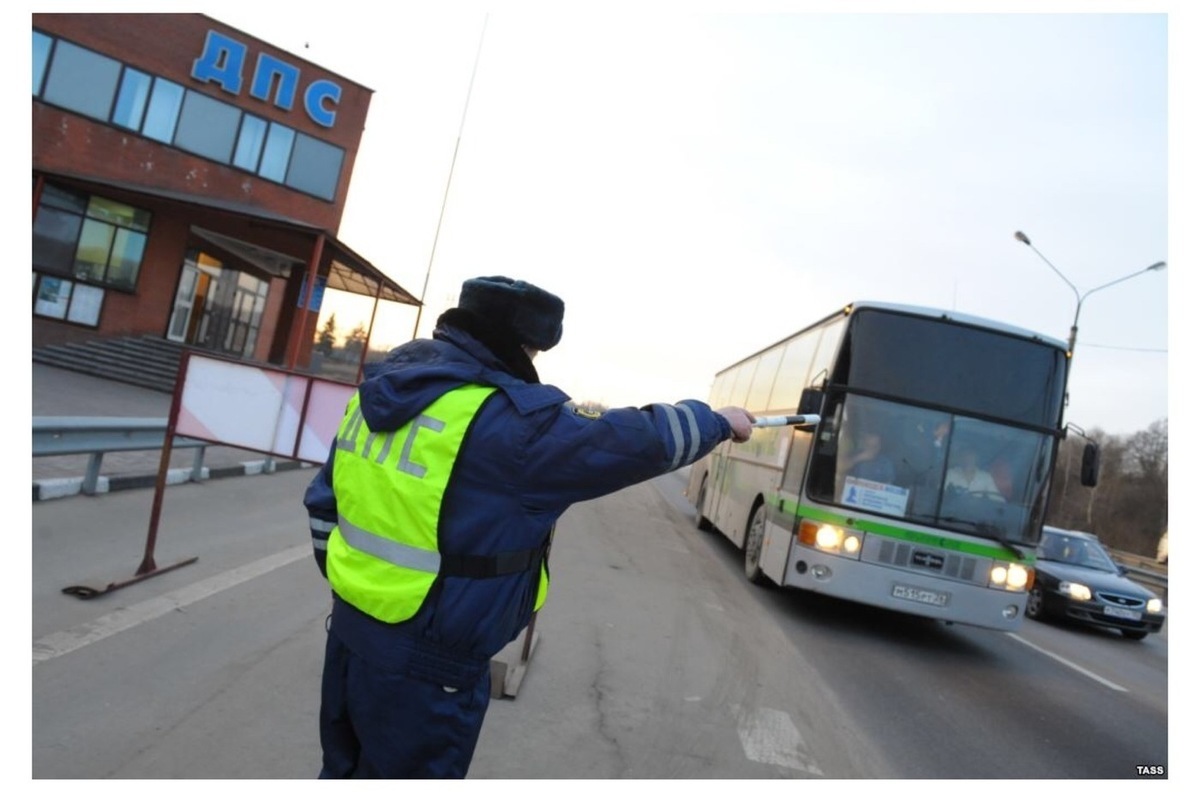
[432, 521]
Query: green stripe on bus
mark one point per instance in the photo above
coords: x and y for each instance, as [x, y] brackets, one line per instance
[904, 534]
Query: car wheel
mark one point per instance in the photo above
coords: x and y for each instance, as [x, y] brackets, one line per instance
[702, 522]
[1035, 605]
[1137, 636]
[754, 542]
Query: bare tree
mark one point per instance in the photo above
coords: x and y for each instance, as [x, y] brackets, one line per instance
[326, 339]
[1127, 508]
[356, 340]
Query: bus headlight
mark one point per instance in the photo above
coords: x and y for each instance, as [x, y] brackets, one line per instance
[830, 538]
[1011, 577]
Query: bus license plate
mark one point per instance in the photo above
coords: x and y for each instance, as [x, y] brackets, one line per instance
[927, 596]
[1122, 613]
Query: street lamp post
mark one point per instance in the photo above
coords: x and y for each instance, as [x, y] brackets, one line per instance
[1079, 298]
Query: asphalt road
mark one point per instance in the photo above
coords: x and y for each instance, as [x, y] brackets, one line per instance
[940, 701]
[654, 659]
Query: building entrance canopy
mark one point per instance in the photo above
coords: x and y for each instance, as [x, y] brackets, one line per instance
[273, 244]
[348, 271]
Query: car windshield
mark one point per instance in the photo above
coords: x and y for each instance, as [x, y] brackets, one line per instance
[1077, 550]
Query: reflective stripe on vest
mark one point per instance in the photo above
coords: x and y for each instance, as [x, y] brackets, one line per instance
[383, 555]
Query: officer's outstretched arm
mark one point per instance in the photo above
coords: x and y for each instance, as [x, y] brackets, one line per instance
[581, 455]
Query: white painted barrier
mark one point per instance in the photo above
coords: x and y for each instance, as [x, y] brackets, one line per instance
[259, 408]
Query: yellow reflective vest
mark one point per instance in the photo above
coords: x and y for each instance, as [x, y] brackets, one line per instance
[383, 554]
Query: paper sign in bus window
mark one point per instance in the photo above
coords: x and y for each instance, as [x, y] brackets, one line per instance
[883, 498]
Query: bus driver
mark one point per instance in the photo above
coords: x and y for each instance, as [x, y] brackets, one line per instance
[969, 477]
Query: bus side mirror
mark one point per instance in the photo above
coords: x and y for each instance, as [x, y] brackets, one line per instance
[1089, 470]
[811, 401]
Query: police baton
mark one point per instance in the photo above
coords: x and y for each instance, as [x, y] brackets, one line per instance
[791, 419]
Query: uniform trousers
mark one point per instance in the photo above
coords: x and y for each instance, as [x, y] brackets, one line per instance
[397, 718]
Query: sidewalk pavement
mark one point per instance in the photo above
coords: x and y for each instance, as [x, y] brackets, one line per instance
[62, 393]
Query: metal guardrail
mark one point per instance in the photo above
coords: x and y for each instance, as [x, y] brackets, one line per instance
[1145, 571]
[96, 436]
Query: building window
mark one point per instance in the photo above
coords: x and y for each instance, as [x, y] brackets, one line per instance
[250, 142]
[126, 258]
[89, 238]
[41, 57]
[81, 80]
[276, 153]
[103, 88]
[56, 230]
[165, 100]
[207, 127]
[131, 99]
[315, 167]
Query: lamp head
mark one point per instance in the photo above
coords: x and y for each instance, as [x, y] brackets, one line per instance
[1022, 238]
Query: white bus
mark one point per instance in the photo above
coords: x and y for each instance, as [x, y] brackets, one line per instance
[923, 486]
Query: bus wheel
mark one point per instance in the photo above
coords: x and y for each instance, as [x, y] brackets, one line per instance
[754, 543]
[702, 522]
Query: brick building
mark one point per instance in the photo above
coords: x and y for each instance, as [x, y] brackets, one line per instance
[188, 184]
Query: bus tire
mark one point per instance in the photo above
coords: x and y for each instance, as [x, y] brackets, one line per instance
[702, 522]
[752, 548]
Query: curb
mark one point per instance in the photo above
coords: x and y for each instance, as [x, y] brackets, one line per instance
[56, 488]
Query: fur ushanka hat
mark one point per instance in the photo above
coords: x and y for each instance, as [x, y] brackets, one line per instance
[532, 314]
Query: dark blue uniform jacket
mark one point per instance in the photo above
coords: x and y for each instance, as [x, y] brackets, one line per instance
[526, 459]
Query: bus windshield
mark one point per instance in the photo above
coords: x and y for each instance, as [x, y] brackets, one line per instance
[933, 468]
[888, 444]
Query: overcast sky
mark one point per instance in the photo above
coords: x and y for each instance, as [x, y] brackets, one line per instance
[698, 185]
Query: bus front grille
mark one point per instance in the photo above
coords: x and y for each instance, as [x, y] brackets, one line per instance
[918, 558]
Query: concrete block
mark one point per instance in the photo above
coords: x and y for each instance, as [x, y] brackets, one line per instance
[54, 488]
[510, 664]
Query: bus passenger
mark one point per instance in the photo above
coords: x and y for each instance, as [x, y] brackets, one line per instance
[870, 463]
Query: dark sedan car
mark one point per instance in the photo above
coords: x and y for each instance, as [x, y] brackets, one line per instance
[1075, 579]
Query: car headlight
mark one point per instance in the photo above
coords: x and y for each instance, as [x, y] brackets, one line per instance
[1011, 577]
[1077, 591]
[1154, 605]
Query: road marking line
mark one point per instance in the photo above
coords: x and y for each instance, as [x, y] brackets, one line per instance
[769, 737]
[63, 642]
[1070, 664]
